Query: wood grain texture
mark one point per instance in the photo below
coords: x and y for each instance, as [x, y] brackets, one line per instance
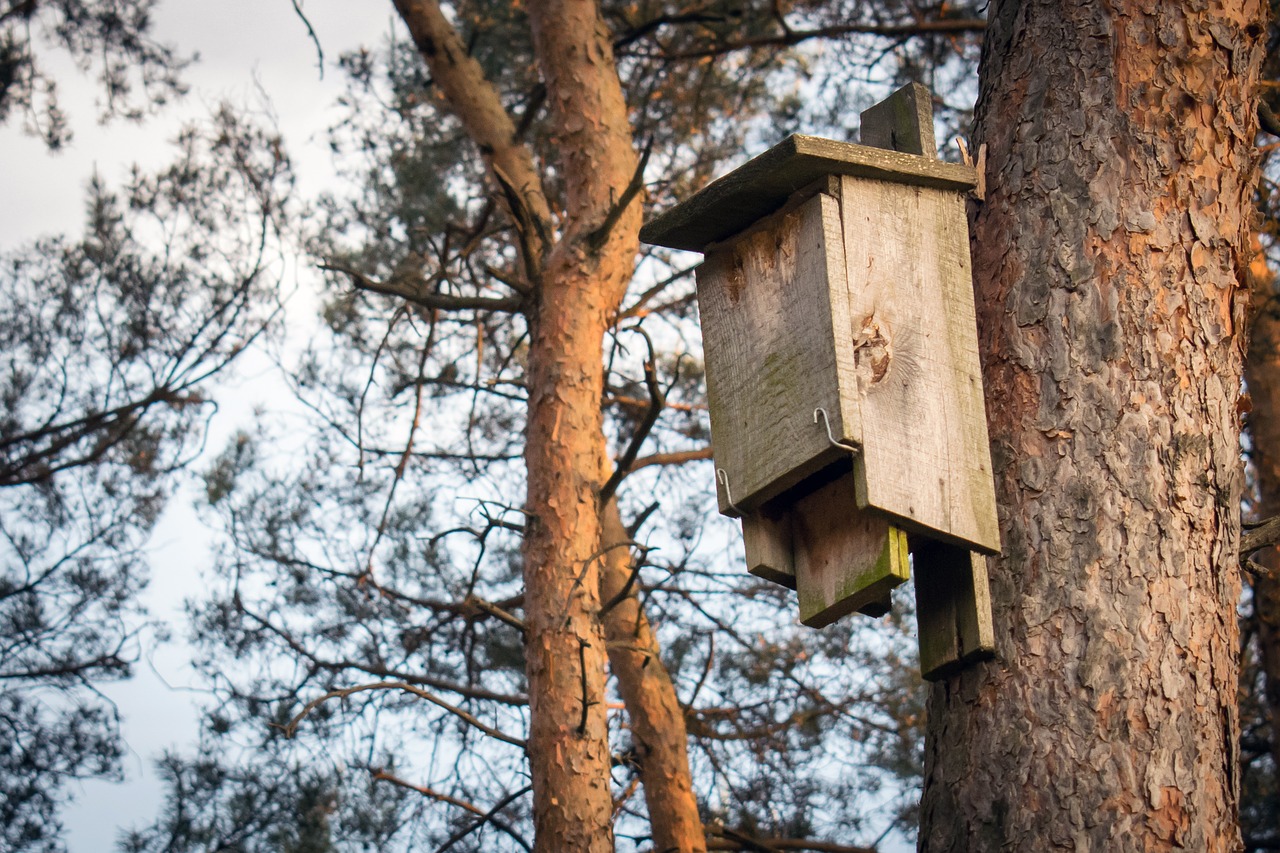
[925, 457]
[769, 339]
[845, 558]
[767, 539]
[762, 185]
[953, 607]
[901, 122]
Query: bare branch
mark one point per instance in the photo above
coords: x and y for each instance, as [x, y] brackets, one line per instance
[1260, 535]
[656, 402]
[291, 727]
[438, 301]
[678, 457]
[380, 775]
[790, 38]
[488, 816]
[597, 238]
[725, 838]
[297, 9]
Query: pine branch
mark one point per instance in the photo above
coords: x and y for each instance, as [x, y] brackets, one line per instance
[290, 728]
[657, 400]
[380, 775]
[476, 102]
[791, 38]
[436, 301]
[1259, 535]
[678, 457]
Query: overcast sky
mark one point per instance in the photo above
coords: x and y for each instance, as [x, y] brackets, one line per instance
[242, 46]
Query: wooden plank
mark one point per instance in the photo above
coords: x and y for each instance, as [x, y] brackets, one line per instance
[846, 559]
[769, 342]
[925, 457]
[762, 185]
[901, 122]
[767, 537]
[953, 607]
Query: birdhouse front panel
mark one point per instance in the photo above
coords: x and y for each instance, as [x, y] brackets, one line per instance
[772, 303]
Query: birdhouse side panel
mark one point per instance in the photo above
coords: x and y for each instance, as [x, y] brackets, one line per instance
[925, 456]
[765, 302]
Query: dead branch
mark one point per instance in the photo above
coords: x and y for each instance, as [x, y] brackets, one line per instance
[488, 817]
[380, 775]
[291, 727]
[1259, 535]
[678, 457]
[597, 238]
[657, 400]
[725, 838]
[791, 37]
[437, 301]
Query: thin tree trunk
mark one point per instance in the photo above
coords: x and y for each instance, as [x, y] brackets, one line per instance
[1107, 258]
[658, 734]
[1262, 373]
[580, 291]
[577, 278]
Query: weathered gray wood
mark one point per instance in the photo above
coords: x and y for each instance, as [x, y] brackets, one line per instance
[925, 457]
[953, 607]
[901, 122]
[846, 559]
[769, 335]
[767, 537]
[759, 187]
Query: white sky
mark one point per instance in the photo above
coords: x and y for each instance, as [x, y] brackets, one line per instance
[243, 45]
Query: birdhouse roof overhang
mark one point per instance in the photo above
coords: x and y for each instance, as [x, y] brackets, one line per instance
[762, 185]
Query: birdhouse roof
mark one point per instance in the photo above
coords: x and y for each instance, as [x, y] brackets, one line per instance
[763, 184]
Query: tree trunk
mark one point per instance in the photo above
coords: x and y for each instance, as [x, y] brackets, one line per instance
[577, 278]
[658, 733]
[1107, 258]
[579, 292]
[1262, 373]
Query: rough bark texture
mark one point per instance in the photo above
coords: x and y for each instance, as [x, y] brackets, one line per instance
[1262, 373]
[578, 295]
[1106, 259]
[658, 734]
[576, 283]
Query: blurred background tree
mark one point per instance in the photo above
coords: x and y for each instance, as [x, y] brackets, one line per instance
[109, 345]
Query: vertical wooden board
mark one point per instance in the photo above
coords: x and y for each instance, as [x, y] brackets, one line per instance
[953, 607]
[769, 343]
[925, 457]
[767, 538]
[901, 122]
[846, 559]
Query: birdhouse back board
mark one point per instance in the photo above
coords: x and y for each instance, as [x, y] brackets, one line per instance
[914, 340]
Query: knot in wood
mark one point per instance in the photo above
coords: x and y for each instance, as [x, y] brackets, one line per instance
[873, 348]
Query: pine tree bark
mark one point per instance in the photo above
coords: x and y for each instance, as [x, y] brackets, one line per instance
[658, 733]
[577, 278]
[1262, 374]
[1107, 264]
[579, 293]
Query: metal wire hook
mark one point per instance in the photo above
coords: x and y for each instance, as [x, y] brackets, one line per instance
[724, 480]
[831, 438]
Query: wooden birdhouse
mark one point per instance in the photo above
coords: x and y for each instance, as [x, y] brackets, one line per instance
[845, 393]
